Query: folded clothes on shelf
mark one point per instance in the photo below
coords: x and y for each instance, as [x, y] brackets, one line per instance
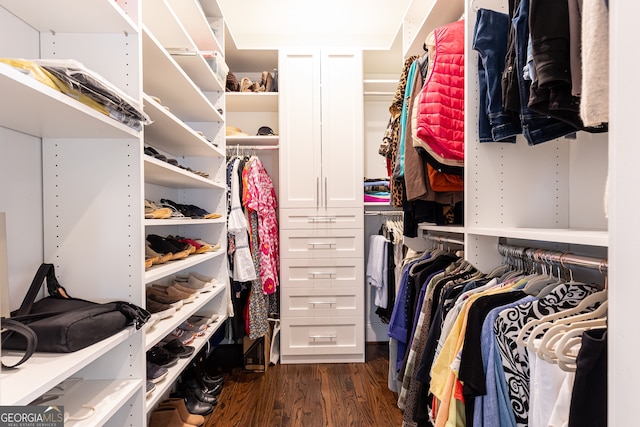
[88, 87]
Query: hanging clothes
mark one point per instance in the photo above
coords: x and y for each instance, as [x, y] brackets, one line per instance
[243, 268]
[260, 197]
[464, 362]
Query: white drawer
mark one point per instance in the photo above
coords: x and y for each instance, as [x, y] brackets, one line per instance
[322, 273]
[322, 243]
[337, 302]
[316, 336]
[314, 219]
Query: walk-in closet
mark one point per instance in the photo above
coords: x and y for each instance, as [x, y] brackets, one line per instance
[396, 213]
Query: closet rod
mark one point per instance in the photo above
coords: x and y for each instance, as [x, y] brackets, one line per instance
[555, 257]
[373, 93]
[443, 239]
[384, 213]
[253, 147]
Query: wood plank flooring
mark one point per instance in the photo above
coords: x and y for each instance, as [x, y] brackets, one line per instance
[313, 395]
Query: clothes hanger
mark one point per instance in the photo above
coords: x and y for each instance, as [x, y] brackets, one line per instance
[551, 344]
[544, 278]
[545, 324]
[565, 350]
[589, 300]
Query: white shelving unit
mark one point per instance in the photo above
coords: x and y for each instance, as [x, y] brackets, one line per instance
[50, 369]
[552, 195]
[81, 179]
[188, 126]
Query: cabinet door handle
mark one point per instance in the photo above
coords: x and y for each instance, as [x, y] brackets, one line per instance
[314, 303]
[314, 219]
[321, 245]
[330, 338]
[326, 190]
[314, 274]
[317, 192]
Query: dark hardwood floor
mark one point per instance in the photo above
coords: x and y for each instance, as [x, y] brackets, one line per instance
[338, 395]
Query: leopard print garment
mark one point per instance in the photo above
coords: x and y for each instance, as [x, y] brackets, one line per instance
[397, 187]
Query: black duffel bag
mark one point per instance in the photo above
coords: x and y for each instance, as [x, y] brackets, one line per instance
[62, 324]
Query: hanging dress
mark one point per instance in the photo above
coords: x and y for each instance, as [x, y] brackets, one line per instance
[243, 268]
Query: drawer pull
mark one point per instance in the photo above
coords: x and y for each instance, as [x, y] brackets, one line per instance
[314, 303]
[316, 219]
[314, 274]
[330, 338]
[321, 245]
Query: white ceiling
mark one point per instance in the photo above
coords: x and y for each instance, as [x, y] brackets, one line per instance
[273, 24]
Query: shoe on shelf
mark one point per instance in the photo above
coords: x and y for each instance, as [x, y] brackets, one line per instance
[186, 289]
[162, 258]
[175, 213]
[153, 211]
[201, 390]
[185, 337]
[187, 326]
[199, 393]
[185, 415]
[162, 357]
[267, 81]
[194, 406]
[198, 320]
[201, 277]
[155, 372]
[192, 211]
[188, 282]
[162, 310]
[174, 292]
[167, 417]
[160, 295]
[246, 84]
[153, 320]
[150, 386]
[175, 347]
[148, 262]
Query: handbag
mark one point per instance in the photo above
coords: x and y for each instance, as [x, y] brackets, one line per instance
[62, 324]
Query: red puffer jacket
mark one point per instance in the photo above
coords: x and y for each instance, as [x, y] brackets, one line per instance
[440, 106]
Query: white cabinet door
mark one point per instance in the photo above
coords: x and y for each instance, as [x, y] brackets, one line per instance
[300, 137]
[321, 127]
[342, 129]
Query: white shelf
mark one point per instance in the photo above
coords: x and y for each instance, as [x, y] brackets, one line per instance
[570, 236]
[164, 24]
[106, 397]
[422, 17]
[72, 16]
[176, 371]
[442, 228]
[252, 101]
[211, 8]
[19, 386]
[165, 174]
[165, 79]
[186, 221]
[199, 29]
[200, 72]
[261, 141]
[45, 112]
[170, 134]
[157, 272]
[168, 325]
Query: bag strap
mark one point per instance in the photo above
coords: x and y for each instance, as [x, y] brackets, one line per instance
[135, 315]
[46, 271]
[11, 327]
